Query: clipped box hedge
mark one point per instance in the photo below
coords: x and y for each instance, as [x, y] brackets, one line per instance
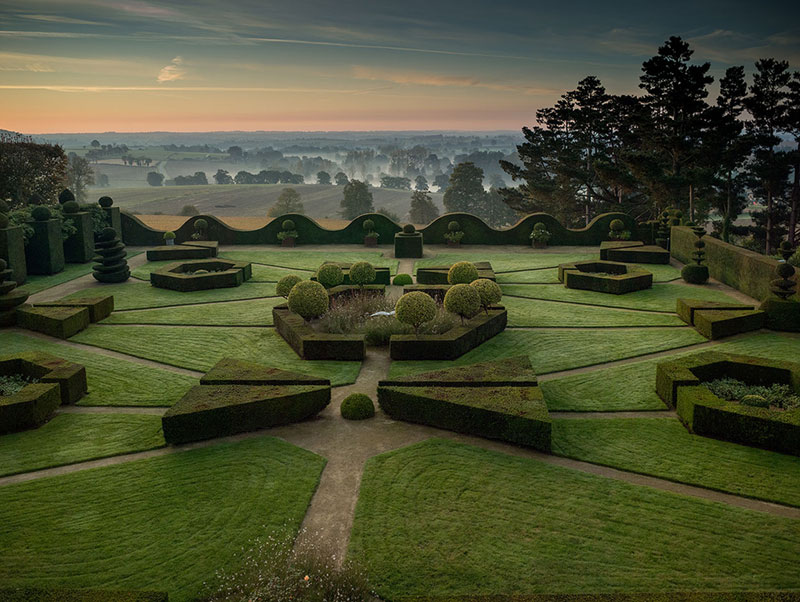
[44, 253]
[782, 314]
[438, 274]
[12, 250]
[408, 245]
[452, 344]
[312, 345]
[437, 291]
[209, 411]
[79, 247]
[604, 277]
[686, 308]
[70, 377]
[719, 323]
[176, 276]
[59, 322]
[100, 307]
[175, 252]
[55, 594]
[231, 371]
[30, 407]
[639, 254]
[382, 274]
[607, 245]
[213, 245]
[507, 372]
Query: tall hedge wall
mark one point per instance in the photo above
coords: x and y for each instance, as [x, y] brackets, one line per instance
[744, 270]
[476, 232]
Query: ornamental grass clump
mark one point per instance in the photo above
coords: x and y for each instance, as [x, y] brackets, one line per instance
[285, 284]
[462, 272]
[357, 406]
[347, 314]
[489, 292]
[330, 275]
[362, 273]
[462, 300]
[270, 570]
[308, 299]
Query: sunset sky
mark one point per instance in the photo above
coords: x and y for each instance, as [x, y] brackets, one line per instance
[196, 65]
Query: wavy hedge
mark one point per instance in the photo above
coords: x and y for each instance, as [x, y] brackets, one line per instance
[476, 231]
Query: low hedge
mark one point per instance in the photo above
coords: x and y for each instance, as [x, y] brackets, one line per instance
[12, 251]
[231, 371]
[100, 307]
[59, 322]
[175, 252]
[452, 344]
[616, 597]
[686, 308]
[312, 345]
[213, 245]
[438, 274]
[507, 372]
[719, 323]
[209, 411]
[608, 245]
[382, 275]
[437, 291]
[408, 245]
[175, 277]
[639, 254]
[782, 314]
[54, 594]
[514, 414]
[70, 377]
[591, 276]
[30, 407]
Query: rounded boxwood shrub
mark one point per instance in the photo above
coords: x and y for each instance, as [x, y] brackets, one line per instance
[107, 234]
[105, 201]
[285, 284]
[3, 220]
[415, 308]
[330, 275]
[454, 226]
[169, 235]
[695, 274]
[40, 213]
[489, 292]
[402, 280]
[308, 299]
[71, 207]
[200, 224]
[462, 300]
[368, 225]
[65, 196]
[409, 229]
[362, 273]
[462, 272]
[287, 225]
[357, 406]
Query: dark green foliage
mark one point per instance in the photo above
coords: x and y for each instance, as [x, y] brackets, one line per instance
[100, 307]
[308, 299]
[489, 291]
[776, 395]
[30, 594]
[415, 308]
[201, 274]
[615, 597]
[604, 277]
[719, 323]
[462, 300]
[110, 265]
[208, 411]
[10, 298]
[41, 213]
[3, 221]
[175, 252]
[607, 245]
[462, 272]
[408, 245]
[402, 280]
[686, 308]
[4, 208]
[357, 406]
[312, 345]
[285, 285]
[782, 314]
[639, 254]
[30, 407]
[368, 225]
[409, 229]
[330, 275]
[440, 274]
[361, 273]
[79, 246]
[60, 322]
[232, 371]
[356, 200]
[288, 224]
[105, 201]
[66, 196]
[507, 372]
[695, 274]
[71, 207]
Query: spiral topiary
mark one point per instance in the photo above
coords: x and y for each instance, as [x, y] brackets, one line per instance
[357, 406]
[105, 201]
[697, 273]
[287, 225]
[402, 280]
[285, 284]
[330, 275]
[8, 301]
[462, 300]
[409, 229]
[489, 292]
[65, 196]
[71, 207]
[308, 299]
[783, 286]
[362, 273]
[111, 265]
[462, 272]
[41, 213]
[415, 308]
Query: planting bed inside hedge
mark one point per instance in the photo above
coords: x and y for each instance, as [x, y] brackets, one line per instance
[604, 277]
[201, 274]
[175, 252]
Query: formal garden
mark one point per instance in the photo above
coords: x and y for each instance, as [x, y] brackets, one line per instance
[575, 413]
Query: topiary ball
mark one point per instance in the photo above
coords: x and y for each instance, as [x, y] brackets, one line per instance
[107, 234]
[539, 226]
[105, 201]
[695, 274]
[200, 224]
[40, 213]
[409, 229]
[488, 290]
[169, 235]
[357, 406]
[463, 300]
[65, 196]
[462, 272]
[286, 283]
[287, 225]
[362, 273]
[415, 308]
[308, 299]
[368, 225]
[330, 275]
[402, 280]
[617, 225]
[71, 207]
[454, 226]
[3, 220]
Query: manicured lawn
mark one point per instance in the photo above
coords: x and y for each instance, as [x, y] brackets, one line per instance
[70, 438]
[261, 273]
[199, 348]
[662, 297]
[311, 260]
[112, 381]
[556, 350]
[135, 294]
[534, 312]
[661, 273]
[664, 448]
[253, 312]
[506, 262]
[34, 284]
[442, 518]
[165, 523]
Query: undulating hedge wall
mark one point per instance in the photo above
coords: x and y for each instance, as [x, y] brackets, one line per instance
[616, 597]
[744, 270]
[476, 231]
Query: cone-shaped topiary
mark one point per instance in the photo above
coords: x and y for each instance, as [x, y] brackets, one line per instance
[462, 300]
[462, 272]
[362, 273]
[402, 280]
[285, 284]
[489, 292]
[105, 201]
[111, 265]
[357, 406]
[330, 275]
[415, 308]
[308, 299]
[66, 196]
[10, 296]
[41, 213]
[697, 273]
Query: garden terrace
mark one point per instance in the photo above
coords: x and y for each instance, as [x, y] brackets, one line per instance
[428, 512]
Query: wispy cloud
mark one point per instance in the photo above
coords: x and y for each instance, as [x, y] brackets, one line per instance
[61, 19]
[172, 72]
[222, 89]
[43, 63]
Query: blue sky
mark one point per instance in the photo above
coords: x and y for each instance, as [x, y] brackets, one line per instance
[141, 65]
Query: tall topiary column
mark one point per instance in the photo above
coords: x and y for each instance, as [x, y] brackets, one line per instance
[79, 247]
[662, 239]
[113, 217]
[408, 242]
[111, 265]
[10, 296]
[697, 273]
[782, 312]
[12, 245]
[44, 253]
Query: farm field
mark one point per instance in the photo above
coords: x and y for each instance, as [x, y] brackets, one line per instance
[628, 500]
